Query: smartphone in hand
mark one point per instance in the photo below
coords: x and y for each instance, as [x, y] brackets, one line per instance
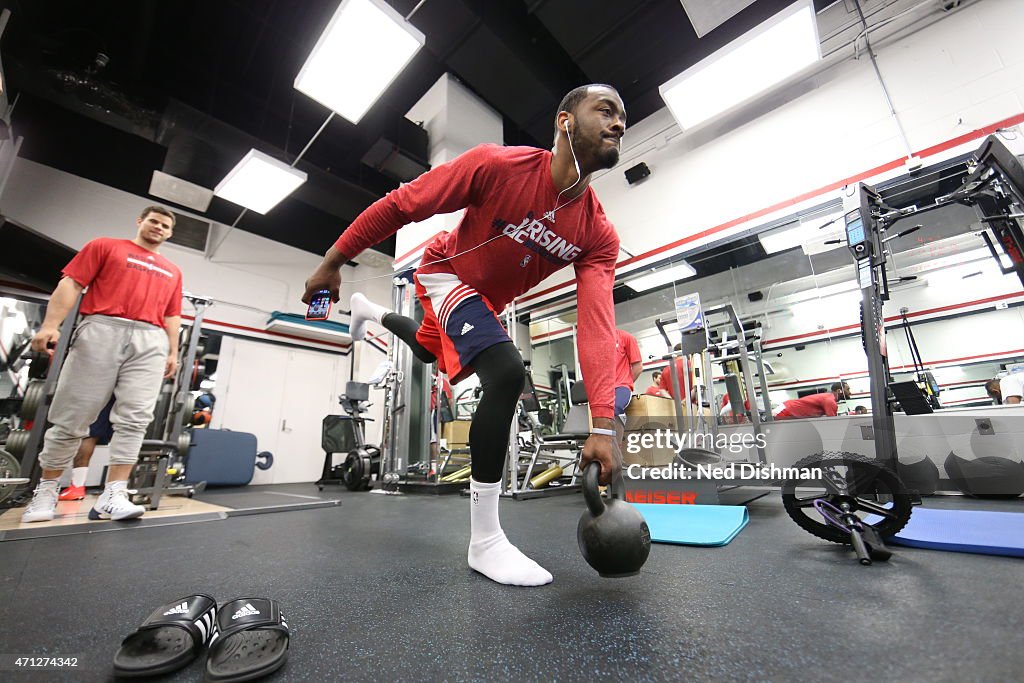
[319, 306]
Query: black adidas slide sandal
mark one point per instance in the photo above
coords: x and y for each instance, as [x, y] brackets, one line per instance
[250, 640]
[168, 639]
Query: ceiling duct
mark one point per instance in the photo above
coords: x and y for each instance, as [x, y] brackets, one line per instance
[190, 170]
[707, 16]
[402, 152]
[180, 192]
[191, 233]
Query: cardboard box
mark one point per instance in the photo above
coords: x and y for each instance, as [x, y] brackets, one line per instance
[456, 433]
[650, 412]
[642, 447]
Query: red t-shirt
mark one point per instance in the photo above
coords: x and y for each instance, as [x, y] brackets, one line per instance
[627, 352]
[815, 405]
[653, 390]
[126, 281]
[505, 244]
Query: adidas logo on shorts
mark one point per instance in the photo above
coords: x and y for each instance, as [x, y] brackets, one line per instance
[180, 609]
[466, 328]
[246, 611]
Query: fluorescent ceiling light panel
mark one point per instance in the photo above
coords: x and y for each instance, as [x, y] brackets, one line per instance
[259, 182]
[810, 233]
[678, 271]
[751, 64]
[363, 49]
[775, 241]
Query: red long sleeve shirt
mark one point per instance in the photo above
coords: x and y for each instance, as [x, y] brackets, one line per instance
[505, 245]
[815, 405]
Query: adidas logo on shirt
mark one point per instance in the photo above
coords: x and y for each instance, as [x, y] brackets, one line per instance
[180, 609]
[246, 611]
[466, 328]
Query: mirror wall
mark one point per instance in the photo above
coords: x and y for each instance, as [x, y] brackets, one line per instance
[793, 283]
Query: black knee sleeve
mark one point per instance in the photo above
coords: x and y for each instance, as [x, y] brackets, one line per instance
[502, 377]
[405, 329]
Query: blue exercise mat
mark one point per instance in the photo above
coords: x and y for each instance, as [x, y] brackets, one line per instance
[964, 531]
[707, 525]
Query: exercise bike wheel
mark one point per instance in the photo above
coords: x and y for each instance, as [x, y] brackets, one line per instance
[863, 484]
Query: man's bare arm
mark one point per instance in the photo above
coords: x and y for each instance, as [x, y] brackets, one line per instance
[61, 302]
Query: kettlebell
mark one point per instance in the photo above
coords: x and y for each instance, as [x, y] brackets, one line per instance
[613, 536]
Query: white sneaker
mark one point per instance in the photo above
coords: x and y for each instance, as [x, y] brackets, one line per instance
[115, 505]
[43, 504]
[361, 310]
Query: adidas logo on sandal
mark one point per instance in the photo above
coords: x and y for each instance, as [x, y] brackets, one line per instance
[180, 609]
[246, 611]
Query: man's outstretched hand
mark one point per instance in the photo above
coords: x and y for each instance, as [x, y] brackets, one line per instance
[324, 277]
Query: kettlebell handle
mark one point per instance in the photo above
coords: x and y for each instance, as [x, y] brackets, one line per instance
[591, 494]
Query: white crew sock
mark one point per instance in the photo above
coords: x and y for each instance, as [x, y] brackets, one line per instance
[361, 310]
[78, 476]
[490, 552]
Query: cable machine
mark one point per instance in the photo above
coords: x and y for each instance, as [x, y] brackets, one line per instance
[856, 487]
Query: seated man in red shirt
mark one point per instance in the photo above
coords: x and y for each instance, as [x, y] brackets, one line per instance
[816, 405]
[127, 338]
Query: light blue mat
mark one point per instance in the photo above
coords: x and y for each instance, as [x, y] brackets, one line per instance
[707, 525]
[964, 531]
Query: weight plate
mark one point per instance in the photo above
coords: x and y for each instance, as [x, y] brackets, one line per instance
[17, 440]
[184, 443]
[10, 468]
[33, 397]
[354, 475]
[264, 460]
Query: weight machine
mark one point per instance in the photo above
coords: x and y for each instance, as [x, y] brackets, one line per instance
[695, 352]
[161, 466]
[856, 487]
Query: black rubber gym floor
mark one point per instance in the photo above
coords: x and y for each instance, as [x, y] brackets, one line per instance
[378, 589]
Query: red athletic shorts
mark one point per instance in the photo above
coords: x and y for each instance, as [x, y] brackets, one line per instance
[458, 323]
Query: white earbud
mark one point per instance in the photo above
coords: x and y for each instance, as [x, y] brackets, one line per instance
[567, 126]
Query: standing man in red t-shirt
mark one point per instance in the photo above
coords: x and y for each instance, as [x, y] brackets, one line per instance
[126, 341]
[816, 405]
[528, 213]
[628, 366]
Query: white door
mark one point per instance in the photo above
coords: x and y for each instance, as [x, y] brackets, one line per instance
[310, 392]
[250, 391]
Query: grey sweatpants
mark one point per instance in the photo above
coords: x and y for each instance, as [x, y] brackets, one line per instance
[107, 356]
